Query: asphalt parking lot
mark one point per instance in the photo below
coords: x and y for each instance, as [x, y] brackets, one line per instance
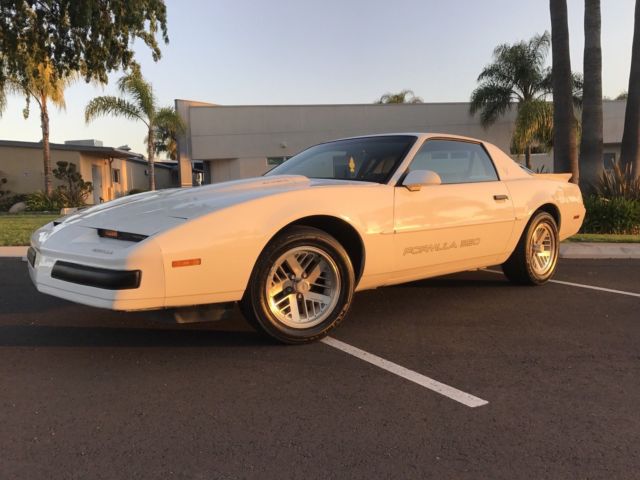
[87, 393]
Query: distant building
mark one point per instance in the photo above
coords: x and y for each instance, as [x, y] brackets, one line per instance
[232, 142]
[112, 171]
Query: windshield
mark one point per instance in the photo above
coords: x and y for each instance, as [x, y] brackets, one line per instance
[367, 159]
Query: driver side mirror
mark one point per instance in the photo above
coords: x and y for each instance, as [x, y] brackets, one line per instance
[416, 179]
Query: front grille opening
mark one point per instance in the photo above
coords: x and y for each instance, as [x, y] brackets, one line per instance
[116, 235]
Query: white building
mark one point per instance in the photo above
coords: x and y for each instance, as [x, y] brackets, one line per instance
[242, 141]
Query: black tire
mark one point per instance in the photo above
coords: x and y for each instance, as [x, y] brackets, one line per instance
[520, 268]
[256, 306]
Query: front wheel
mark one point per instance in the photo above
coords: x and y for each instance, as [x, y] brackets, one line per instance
[301, 286]
[535, 258]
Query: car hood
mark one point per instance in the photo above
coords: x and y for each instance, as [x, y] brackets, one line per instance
[151, 212]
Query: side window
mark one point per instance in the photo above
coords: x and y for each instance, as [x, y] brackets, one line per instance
[455, 162]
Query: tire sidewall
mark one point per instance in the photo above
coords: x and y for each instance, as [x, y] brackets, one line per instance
[299, 237]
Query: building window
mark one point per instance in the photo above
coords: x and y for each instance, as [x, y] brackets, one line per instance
[274, 161]
[116, 175]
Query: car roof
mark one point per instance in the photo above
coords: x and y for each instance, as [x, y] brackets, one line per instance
[420, 135]
[506, 167]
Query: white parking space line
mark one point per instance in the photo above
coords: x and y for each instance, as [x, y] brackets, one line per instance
[415, 377]
[581, 285]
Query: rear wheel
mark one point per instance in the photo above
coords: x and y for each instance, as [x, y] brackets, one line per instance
[301, 286]
[534, 260]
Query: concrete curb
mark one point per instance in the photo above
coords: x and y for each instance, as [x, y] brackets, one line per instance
[577, 250]
[13, 251]
[586, 250]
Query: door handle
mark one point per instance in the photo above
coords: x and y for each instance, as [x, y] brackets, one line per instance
[498, 198]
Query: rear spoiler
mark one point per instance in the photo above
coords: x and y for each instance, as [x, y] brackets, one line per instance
[561, 177]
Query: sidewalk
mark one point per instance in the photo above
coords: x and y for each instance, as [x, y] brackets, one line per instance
[580, 250]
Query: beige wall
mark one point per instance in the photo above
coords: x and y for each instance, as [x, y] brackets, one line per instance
[234, 168]
[24, 171]
[234, 141]
[263, 131]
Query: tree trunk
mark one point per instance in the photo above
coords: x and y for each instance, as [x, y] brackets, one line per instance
[150, 159]
[630, 149]
[46, 151]
[527, 156]
[565, 152]
[591, 165]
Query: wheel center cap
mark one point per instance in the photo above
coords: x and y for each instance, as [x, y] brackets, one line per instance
[302, 286]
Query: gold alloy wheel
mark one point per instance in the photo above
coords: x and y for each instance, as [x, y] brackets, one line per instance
[303, 287]
[542, 249]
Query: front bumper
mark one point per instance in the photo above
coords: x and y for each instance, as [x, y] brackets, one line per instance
[75, 264]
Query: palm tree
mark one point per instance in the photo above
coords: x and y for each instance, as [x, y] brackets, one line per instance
[591, 164]
[630, 148]
[44, 88]
[517, 75]
[403, 96]
[166, 138]
[565, 149]
[138, 103]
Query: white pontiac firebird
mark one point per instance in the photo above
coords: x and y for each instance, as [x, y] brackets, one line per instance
[292, 246]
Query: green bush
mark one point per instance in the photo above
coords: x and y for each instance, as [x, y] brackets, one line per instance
[611, 215]
[76, 190]
[73, 194]
[3, 180]
[619, 182]
[7, 201]
[135, 191]
[41, 202]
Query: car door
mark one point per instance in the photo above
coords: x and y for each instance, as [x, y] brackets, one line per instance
[468, 216]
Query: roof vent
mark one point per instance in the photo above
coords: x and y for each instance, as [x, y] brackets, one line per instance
[125, 147]
[91, 142]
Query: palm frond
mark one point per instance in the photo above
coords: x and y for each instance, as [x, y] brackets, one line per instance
[492, 100]
[141, 91]
[534, 125]
[110, 105]
[517, 69]
[168, 118]
[538, 47]
[41, 83]
[577, 85]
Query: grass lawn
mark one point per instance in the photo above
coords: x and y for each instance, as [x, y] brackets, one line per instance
[604, 237]
[17, 229]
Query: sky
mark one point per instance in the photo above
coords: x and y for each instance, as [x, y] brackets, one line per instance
[258, 52]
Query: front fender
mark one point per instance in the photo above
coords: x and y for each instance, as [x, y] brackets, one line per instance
[229, 241]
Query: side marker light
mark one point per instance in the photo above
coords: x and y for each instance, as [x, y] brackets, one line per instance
[190, 262]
